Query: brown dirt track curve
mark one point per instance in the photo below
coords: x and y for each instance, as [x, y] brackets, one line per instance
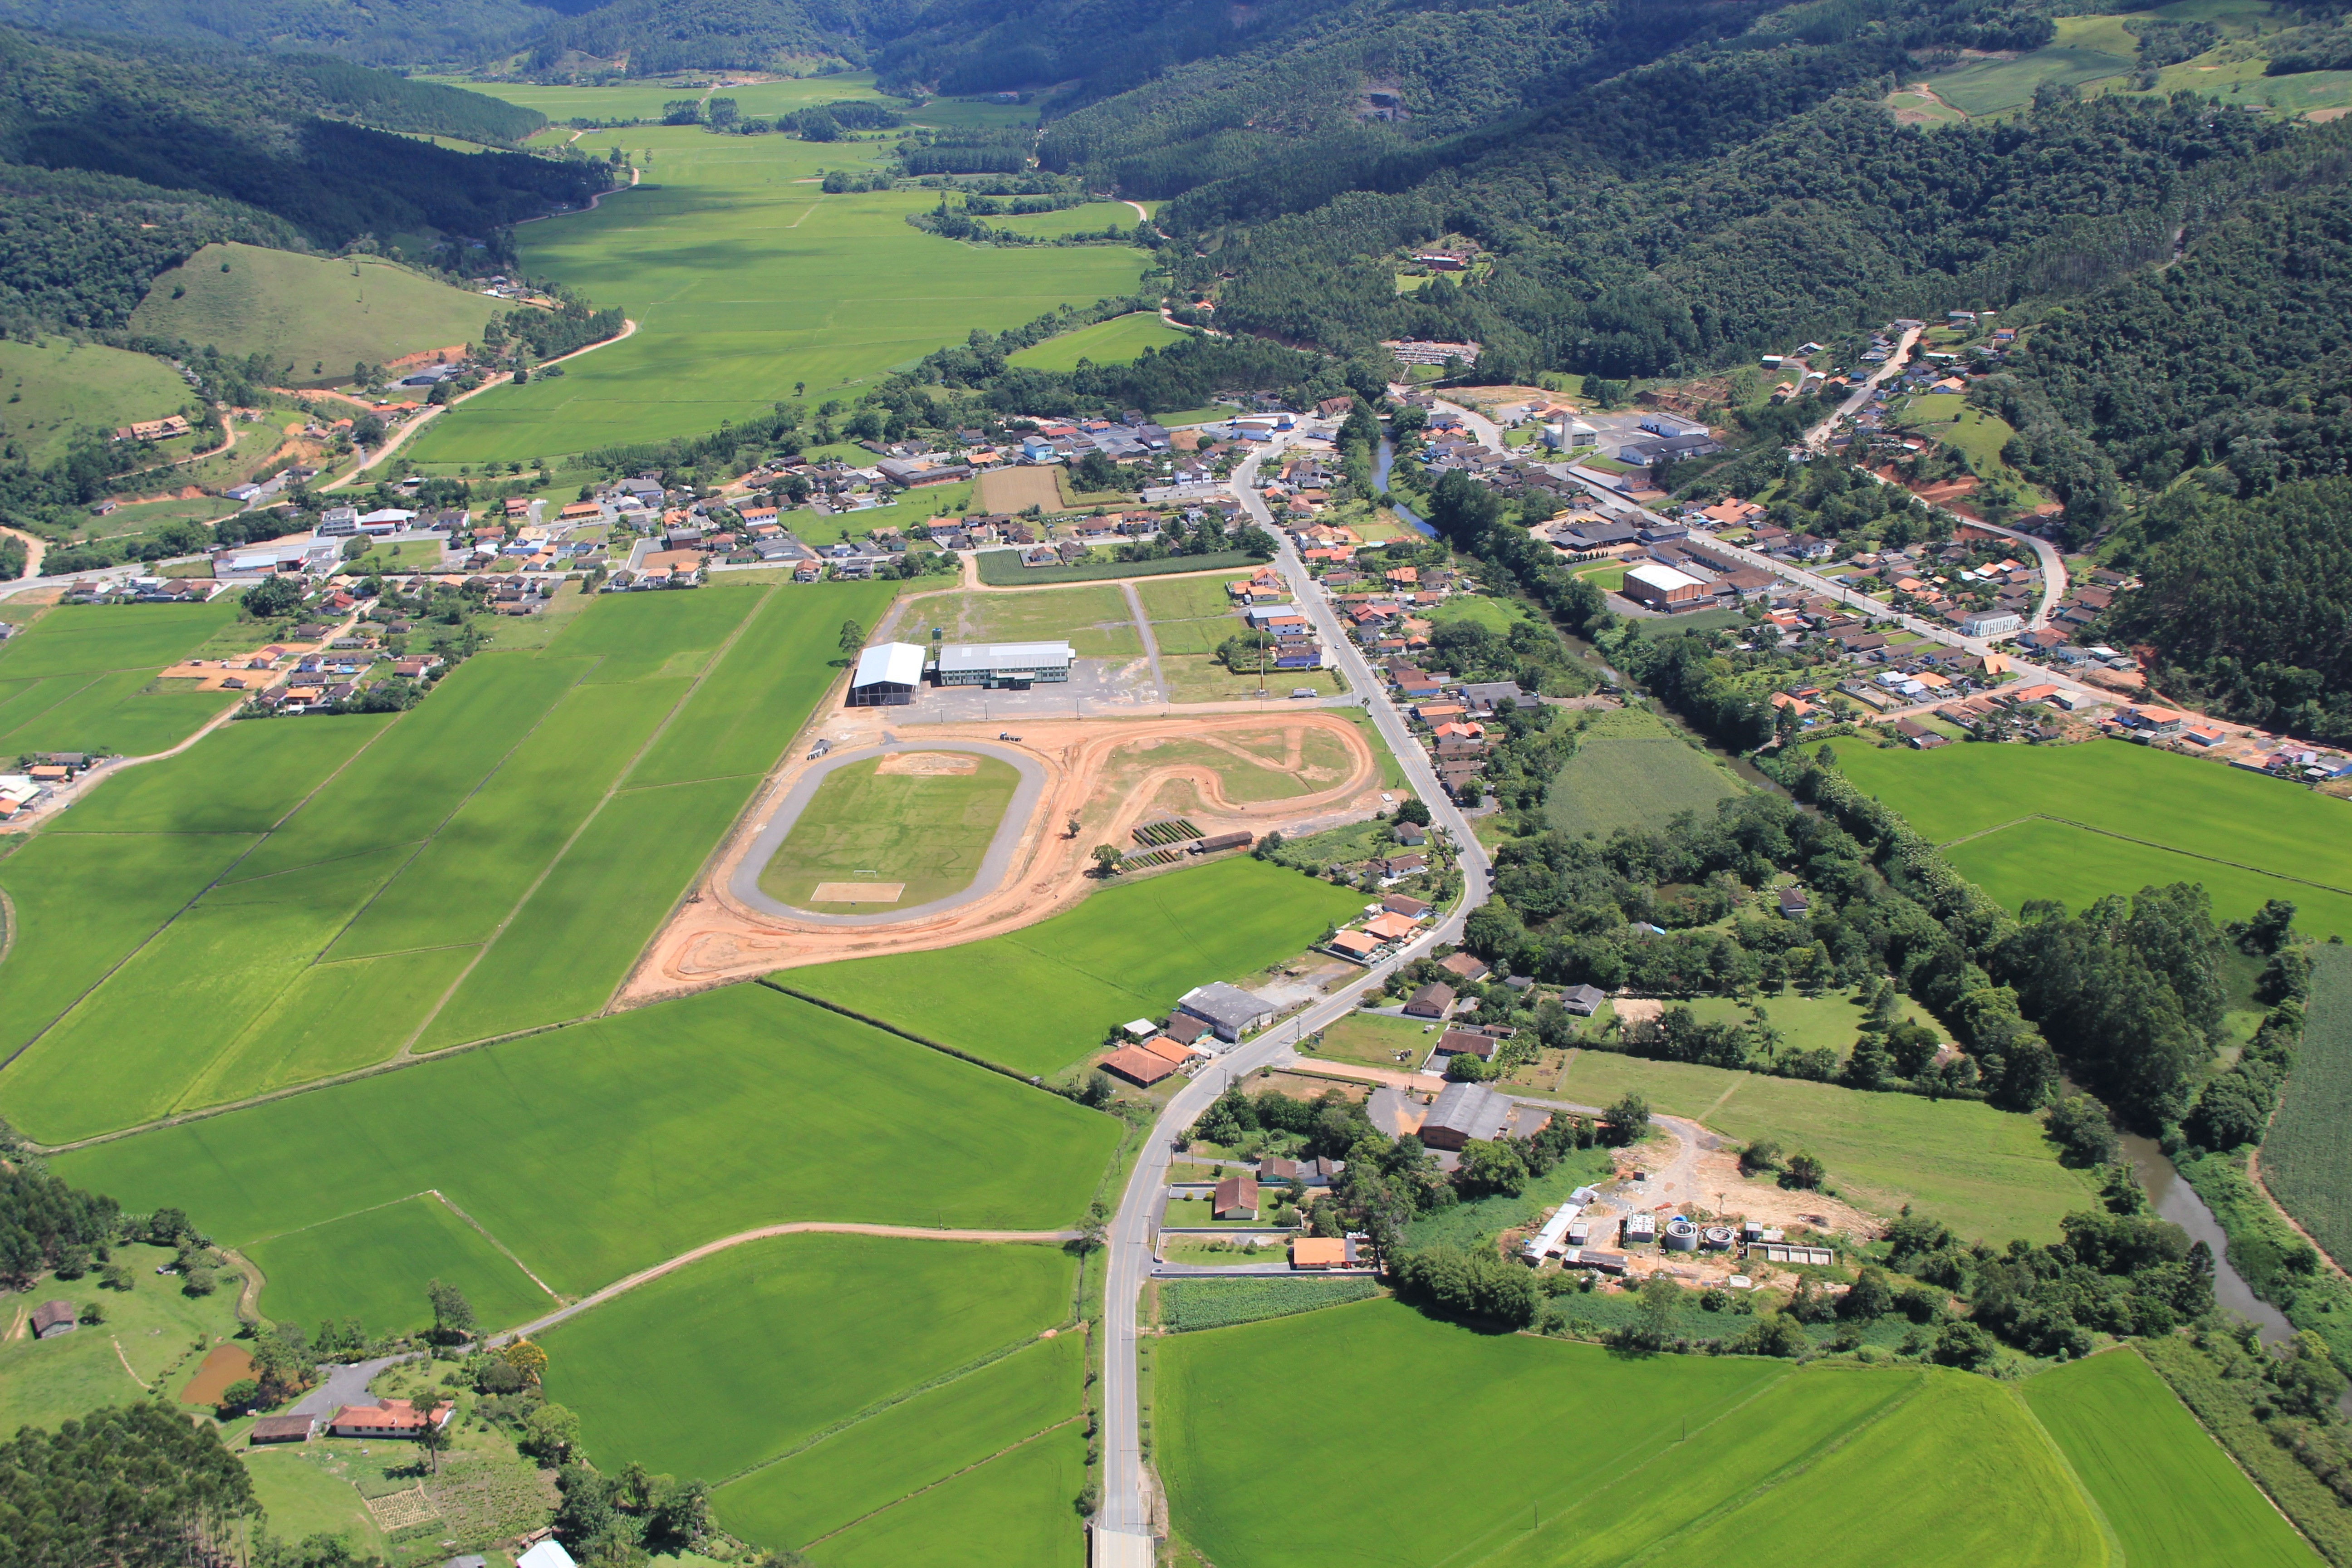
[713, 940]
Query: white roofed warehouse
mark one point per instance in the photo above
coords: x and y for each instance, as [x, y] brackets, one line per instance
[887, 676]
[1013, 664]
[1664, 588]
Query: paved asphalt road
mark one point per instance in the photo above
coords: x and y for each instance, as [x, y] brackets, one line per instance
[1127, 1507]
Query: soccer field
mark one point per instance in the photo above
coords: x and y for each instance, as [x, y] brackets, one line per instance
[488, 862]
[746, 282]
[2075, 823]
[924, 832]
[1041, 998]
[1560, 1453]
[593, 1151]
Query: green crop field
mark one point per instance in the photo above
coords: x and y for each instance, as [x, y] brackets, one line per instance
[45, 1382]
[501, 812]
[1091, 218]
[1990, 1175]
[2306, 1154]
[243, 780]
[365, 1266]
[76, 678]
[744, 1355]
[926, 832]
[1565, 1454]
[1633, 772]
[2172, 1495]
[781, 286]
[1994, 86]
[625, 100]
[1037, 1000]
[2152, 817]
[50, 390]
[1014, 1509]
[1095, 621]
[318, 314]
[1003, 568]
[602, 1148]
[874, 1462]
[1114, 341]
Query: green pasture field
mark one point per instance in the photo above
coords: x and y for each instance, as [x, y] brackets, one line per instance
[90, 639]
[1196, 1213]
[2225, 818]
[764, 687]
[1319, 755]
[364, 1266]
[1992, 87]
[1990, 1175]
[2039, 858]
[1114, 341]
[1095, 621]
[660, 1127]
[1830, 1021]
[463, 884]
[1632, 772]
[44, 1382]
[1091, 218]
[2304, 1162]
[1981, 434]
[81, 903]
[1189, 598]
[1374, 1039]
[1003, 568]
[624, 100]
[245, 779]
[1039, 999]
[739, 1357]
[927, 833]
[2172, 1495]
[1566, 1454]
[163, 1033]
[1014, 1509]
[302, 1499]
[746, 280]
[916, 1443]
[321, 314]
[52, 389]
[571, 945]
[1494, 614]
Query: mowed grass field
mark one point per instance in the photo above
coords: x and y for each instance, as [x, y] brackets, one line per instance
[2307, 1152]
[1114, 341]
[745, 1355]
[1560, 1453]
[75, 678]
[1990, 1175]
[44, 1382]
[1093, 619]
[491, 861]
[51, 389]
[596, 1150]
[926, 832]
[1633, 772]
[2171, 1494]
[745, 280]
[318, 314]
[2076, 823]
[1041, 998]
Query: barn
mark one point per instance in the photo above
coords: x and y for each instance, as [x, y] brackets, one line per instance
[887, 676]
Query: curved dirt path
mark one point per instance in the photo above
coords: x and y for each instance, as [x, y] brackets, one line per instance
[714, 938]
[695, 1255]
[35, 547]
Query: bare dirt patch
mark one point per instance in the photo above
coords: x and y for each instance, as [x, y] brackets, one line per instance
[1014, 490]
[1632, 1010]
[858, 892]
[928, 765]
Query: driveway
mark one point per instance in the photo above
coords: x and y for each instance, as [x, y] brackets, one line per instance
[346, 1385]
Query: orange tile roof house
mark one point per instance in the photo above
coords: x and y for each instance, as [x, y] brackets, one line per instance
[1355, 945]
[1389, 927]
[1138, 1067]
[1322, 1252]
[1167, 1050]
[393, 1418]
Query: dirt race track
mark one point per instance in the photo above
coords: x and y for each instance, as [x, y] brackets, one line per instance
[1099, 771]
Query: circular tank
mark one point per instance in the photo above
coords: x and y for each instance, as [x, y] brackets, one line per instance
[1681, 1236]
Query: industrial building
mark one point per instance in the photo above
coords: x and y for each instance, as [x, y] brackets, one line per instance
[1013, 664]
[887, 676]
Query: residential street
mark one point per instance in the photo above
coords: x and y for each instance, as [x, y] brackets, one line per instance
[1124, 1528]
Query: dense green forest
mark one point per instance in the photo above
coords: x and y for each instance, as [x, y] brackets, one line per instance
[407, 32]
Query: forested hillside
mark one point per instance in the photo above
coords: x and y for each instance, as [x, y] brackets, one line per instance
[391, 32]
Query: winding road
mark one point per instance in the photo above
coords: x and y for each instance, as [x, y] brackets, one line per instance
[1124, 1530]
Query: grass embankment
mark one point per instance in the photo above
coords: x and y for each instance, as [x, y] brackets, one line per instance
[1037, 1000]
[1563, 1454]
[50, 390]
[321, 314]
[2077, 823]
[593, 1150]
[783, 287]
[1990, 1175]
[925, 832]
[518, 836]
[1630, 770]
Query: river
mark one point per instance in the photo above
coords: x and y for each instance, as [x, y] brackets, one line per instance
[2177, 1201]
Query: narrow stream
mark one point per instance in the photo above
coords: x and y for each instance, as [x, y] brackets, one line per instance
[2177, 1201]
